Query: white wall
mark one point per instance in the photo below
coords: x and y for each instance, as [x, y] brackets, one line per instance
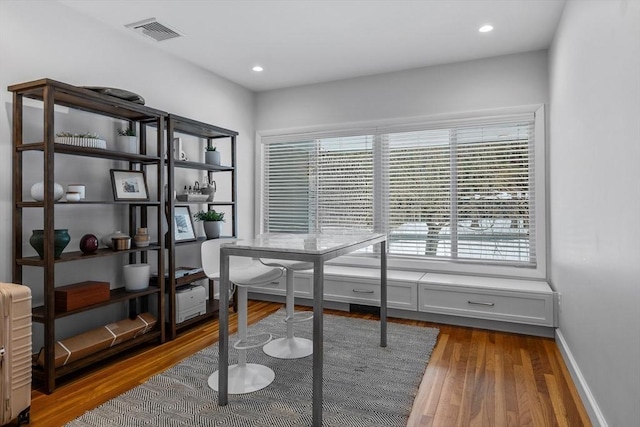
[595, 199]
[43, 39]
[505, 81]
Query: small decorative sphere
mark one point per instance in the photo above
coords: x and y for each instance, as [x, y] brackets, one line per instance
[37, 191]
[88, 244]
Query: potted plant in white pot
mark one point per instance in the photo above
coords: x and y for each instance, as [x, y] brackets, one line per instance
[127, 140]
[211, 156]
[212, 222]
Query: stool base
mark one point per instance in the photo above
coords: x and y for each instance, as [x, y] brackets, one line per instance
[289, 348]
[246, 379]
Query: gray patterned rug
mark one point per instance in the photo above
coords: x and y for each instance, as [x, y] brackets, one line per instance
[364, 384]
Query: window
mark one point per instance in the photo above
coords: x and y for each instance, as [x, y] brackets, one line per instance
[462, 191]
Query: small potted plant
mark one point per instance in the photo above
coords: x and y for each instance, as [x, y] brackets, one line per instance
[127, 140]
[212, 222]
[211, 155]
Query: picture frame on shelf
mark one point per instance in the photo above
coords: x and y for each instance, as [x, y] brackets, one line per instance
[183, 230]
[178, 152]
[129, 185]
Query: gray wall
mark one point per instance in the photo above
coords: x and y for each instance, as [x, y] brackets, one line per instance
[595, 199]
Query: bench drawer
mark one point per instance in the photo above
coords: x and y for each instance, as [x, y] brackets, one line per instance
[302, 287]
[402, 295]
[518, 307]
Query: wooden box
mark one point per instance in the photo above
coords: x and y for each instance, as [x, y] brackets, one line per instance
[80, 295]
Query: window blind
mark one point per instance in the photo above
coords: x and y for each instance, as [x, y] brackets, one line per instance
[457, 190]
[288, 188]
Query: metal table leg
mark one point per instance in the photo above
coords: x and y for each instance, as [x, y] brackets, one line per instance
[318, 295]
[383, 294]
[223, 344]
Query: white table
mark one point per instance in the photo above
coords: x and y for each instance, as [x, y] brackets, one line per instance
[315, 248]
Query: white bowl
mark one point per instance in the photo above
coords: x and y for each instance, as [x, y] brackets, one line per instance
[136, 277]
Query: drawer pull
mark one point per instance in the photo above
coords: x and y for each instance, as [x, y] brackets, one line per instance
[490, 304]
[272, 284]
[362, 291]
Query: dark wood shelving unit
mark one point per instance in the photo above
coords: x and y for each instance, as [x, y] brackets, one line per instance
[53, 93]
[176, 126]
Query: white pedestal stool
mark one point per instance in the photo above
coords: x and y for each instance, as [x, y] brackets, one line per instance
[290, 347]
[243, 273]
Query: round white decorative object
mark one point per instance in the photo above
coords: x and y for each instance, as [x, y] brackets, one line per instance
[37, 191]
[136, 277]
[73, 196]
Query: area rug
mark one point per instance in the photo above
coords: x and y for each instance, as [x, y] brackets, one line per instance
[364, 384]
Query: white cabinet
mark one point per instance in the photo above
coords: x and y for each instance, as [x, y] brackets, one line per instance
[508, 300]
[302, 286]
[355, 289]
[354, 285]
[514, 301]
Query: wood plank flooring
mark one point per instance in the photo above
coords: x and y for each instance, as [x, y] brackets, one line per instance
[474, 378]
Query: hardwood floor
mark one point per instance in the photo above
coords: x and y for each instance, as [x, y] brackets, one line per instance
[474, 378]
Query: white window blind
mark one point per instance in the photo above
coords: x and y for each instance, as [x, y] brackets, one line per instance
[288, 191]
[325, 184]
[460, 190]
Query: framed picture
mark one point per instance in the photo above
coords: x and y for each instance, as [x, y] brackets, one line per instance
[183, 224]
[129, 185]
[178, 153]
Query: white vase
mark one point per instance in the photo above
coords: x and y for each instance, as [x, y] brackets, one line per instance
[212, 229]
[136, 277]
[212, 157]
[127, 144]
[37, 191]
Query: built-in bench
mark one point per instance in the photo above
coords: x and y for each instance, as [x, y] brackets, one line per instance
[514, 305]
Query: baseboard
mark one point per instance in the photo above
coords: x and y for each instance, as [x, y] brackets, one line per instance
[597, 419]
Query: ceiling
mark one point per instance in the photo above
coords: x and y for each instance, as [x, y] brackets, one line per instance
[310, 41]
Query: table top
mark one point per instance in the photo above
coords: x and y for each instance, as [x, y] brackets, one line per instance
[312, 244]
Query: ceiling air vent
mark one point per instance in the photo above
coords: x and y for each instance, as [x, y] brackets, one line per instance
[154, 30]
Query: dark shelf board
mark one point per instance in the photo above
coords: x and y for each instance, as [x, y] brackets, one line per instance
[35, 204]
[180, 202]
[92, 152]
[182, 280]
[195, 128]
[79, 98]
[186, 164]
[117, 295]
[77, 255]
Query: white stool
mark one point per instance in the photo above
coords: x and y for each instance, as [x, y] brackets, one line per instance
[290, 347]
[243, 273]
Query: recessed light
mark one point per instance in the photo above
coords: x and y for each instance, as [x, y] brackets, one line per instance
[257, 68]
[485, 28]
